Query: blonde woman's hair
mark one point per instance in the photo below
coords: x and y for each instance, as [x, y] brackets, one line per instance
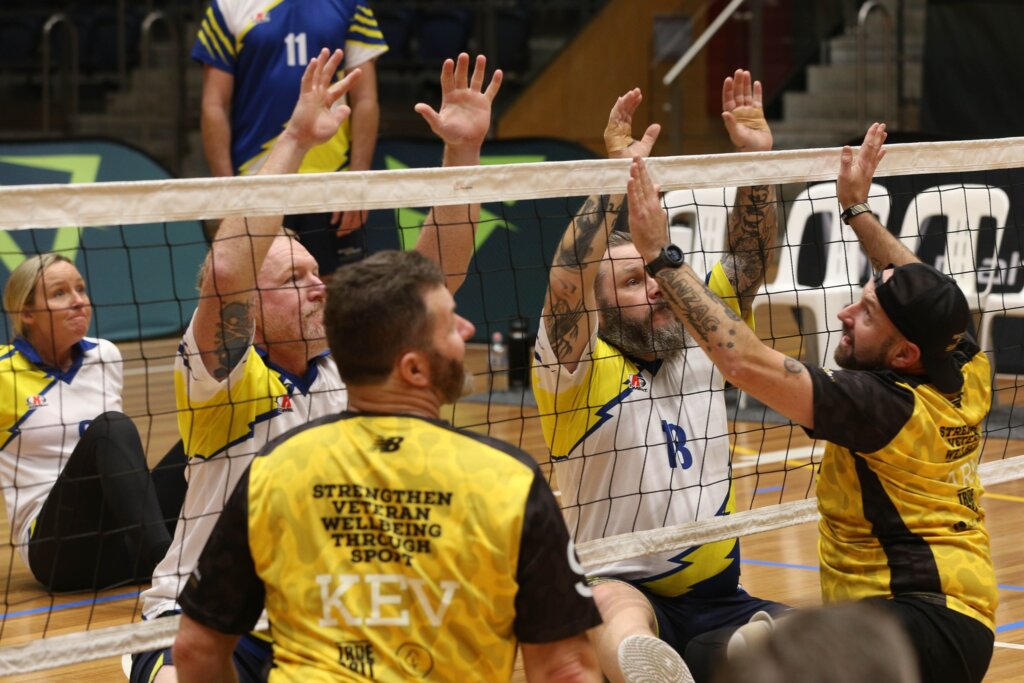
[20, 291]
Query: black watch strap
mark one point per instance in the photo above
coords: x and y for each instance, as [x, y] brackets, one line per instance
[671, 256]
[855, 210]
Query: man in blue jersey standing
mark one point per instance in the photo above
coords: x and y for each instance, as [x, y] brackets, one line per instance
[253, 55]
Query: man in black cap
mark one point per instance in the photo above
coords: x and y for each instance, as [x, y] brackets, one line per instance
[898, 490]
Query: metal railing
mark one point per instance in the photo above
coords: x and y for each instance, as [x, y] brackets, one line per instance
[174, 107]
[69, 67]
[866, 10]
[671, 78]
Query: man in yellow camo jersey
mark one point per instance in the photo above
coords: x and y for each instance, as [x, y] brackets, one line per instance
[898, 490]
[254, 362]
[386, 544]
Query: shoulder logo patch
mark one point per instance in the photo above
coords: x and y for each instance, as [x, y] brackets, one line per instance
[37, 401]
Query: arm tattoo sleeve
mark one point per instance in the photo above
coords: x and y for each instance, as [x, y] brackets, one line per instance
[577, 247]
[234, 335]
[575, 252]
[752, 228]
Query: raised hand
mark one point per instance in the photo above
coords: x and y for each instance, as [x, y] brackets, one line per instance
[465, 114]
[857, 170]
[315, 118]
[648, 221]
[618, 134]
[743, 113]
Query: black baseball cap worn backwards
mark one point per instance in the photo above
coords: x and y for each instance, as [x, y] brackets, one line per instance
[928, 308]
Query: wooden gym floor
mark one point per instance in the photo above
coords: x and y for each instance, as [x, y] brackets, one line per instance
[781, 565]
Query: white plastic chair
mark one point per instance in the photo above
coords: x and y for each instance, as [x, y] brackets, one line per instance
[964, 206]
[843, 266]
[700, 218]
[976, 273]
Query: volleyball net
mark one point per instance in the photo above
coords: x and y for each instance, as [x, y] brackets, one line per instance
[139, 246]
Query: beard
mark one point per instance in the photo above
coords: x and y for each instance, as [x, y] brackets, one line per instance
[846, 356]
[451, 379]
[642, 337]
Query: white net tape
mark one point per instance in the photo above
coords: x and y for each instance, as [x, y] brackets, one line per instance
[125, 203]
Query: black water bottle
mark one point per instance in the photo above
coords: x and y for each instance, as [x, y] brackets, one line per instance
[518, 354]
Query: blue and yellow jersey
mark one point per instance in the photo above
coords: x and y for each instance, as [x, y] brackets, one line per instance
[266, 45]
[899, 492]
[641, 446]
[392, 548]
[223, 425]
[43, 413]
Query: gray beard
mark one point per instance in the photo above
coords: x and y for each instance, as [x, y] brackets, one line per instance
[639, 338]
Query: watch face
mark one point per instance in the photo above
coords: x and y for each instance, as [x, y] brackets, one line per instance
[674, 255]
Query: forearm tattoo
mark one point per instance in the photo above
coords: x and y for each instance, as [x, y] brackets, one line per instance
[233, 336]
[577, 247]
[576, 251]
[709, 319]
[752, 228]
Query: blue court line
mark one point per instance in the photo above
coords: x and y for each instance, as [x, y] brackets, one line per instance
[767, 489]
[784, 565]
[1009, 627]
[69, 605]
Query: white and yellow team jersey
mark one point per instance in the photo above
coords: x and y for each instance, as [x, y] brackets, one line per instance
[43, 413]
[898, 490]
[223, 425]
[641, 446]
[265, 45]
[392, 548]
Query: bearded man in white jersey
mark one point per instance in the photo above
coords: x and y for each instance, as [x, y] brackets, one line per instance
[254, 362]
[634, 415]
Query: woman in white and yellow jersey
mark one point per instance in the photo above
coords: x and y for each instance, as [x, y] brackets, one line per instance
[85, 512]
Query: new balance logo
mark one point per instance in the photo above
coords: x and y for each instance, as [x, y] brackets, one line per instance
[388, 444]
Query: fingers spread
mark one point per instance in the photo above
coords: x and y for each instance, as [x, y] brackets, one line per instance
[447, 75]
[479, 70]
[427, 112]
[495, 85]
[728, 97]
[462, 71]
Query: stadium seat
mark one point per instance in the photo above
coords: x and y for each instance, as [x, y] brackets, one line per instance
[963, 207]
[442, 34]
[396, 24]
[19, 42]
[512, 25]
[977, 273]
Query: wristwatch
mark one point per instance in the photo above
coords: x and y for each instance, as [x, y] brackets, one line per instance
[855, 210]
[671, 256]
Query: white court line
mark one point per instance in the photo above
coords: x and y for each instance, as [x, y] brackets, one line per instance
[1011, 646]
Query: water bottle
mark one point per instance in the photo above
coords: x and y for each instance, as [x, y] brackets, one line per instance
[518, 354]
[498, 356]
